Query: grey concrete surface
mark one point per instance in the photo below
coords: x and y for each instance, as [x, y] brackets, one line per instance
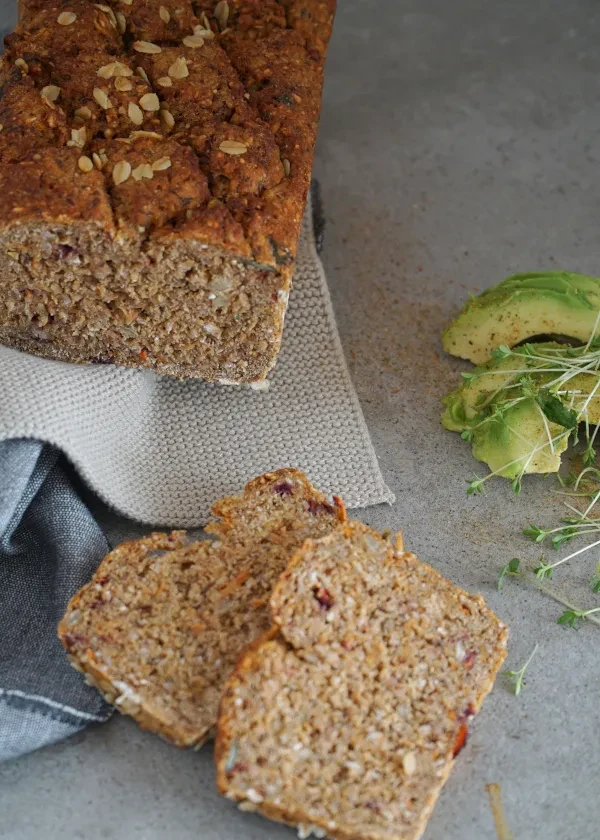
[459, 142]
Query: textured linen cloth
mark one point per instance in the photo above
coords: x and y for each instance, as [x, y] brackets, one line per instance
[159, 451]
[49, 546]
[162, 451]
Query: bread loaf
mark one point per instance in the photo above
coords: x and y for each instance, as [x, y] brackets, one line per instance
[155, 159]
[162, 623]
[346, 718]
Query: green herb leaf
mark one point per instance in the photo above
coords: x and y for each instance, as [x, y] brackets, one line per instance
[501, 353]
[555, 410]
[467, 434]
[566, 535]
[475, 486]
[469, 377]
[536, 534]
[595, 581]
[529, 387]
[544, 570]
[570, 617]
[511, 568]
[528, 350]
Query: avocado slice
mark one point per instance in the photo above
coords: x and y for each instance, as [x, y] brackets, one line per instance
[503, 435]
[524, 306]
[505, 443]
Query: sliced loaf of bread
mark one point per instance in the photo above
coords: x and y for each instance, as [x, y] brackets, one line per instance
[160, 626]
[346, 717]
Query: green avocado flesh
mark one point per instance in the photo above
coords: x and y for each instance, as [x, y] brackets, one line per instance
[524, 306]
[504, 435]
[506, 445]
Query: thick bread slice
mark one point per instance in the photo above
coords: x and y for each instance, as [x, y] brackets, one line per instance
[154, 167]
[160, 626]
[346, 717]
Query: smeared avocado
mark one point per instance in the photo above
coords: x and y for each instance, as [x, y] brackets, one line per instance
[524, 306]
[511, 407]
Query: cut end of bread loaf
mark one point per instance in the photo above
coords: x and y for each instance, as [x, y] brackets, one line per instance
[347, 717]
[154, 174]
[104, 301]
[159, 628]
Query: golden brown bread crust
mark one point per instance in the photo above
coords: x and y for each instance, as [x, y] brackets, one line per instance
[230, 93]
[373, 657]
[52, 189]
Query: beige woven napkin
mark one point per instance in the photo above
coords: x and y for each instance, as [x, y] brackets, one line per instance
[161, 451]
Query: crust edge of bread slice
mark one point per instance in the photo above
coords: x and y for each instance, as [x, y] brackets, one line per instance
[116, 692]
[250, 661]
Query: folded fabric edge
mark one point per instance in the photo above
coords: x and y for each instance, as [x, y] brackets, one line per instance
[29, 722]
[45, 707]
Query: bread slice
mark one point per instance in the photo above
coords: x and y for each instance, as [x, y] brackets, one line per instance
[160, 626]
[345, 719]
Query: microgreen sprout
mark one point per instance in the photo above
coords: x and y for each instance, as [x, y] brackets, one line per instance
[537, 534]
[571, 617]
[511, 568]
[468, 377]
[544, 375]
[475, 486]
[517, 678]
[556, 596]
[565, 533]
[501, 353]
[543, 571]
[551, 379]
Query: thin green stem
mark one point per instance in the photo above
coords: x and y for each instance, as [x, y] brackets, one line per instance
[593, 333]
[546, 427]
[555, 596]
[574, 554]
[591, 505]
[583, 410]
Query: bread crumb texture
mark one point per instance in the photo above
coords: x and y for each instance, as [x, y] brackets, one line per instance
[345, 719]
[184, 269]
[161, 625]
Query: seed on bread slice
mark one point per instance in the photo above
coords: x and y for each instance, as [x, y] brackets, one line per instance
[160, 626]
[346, 717]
